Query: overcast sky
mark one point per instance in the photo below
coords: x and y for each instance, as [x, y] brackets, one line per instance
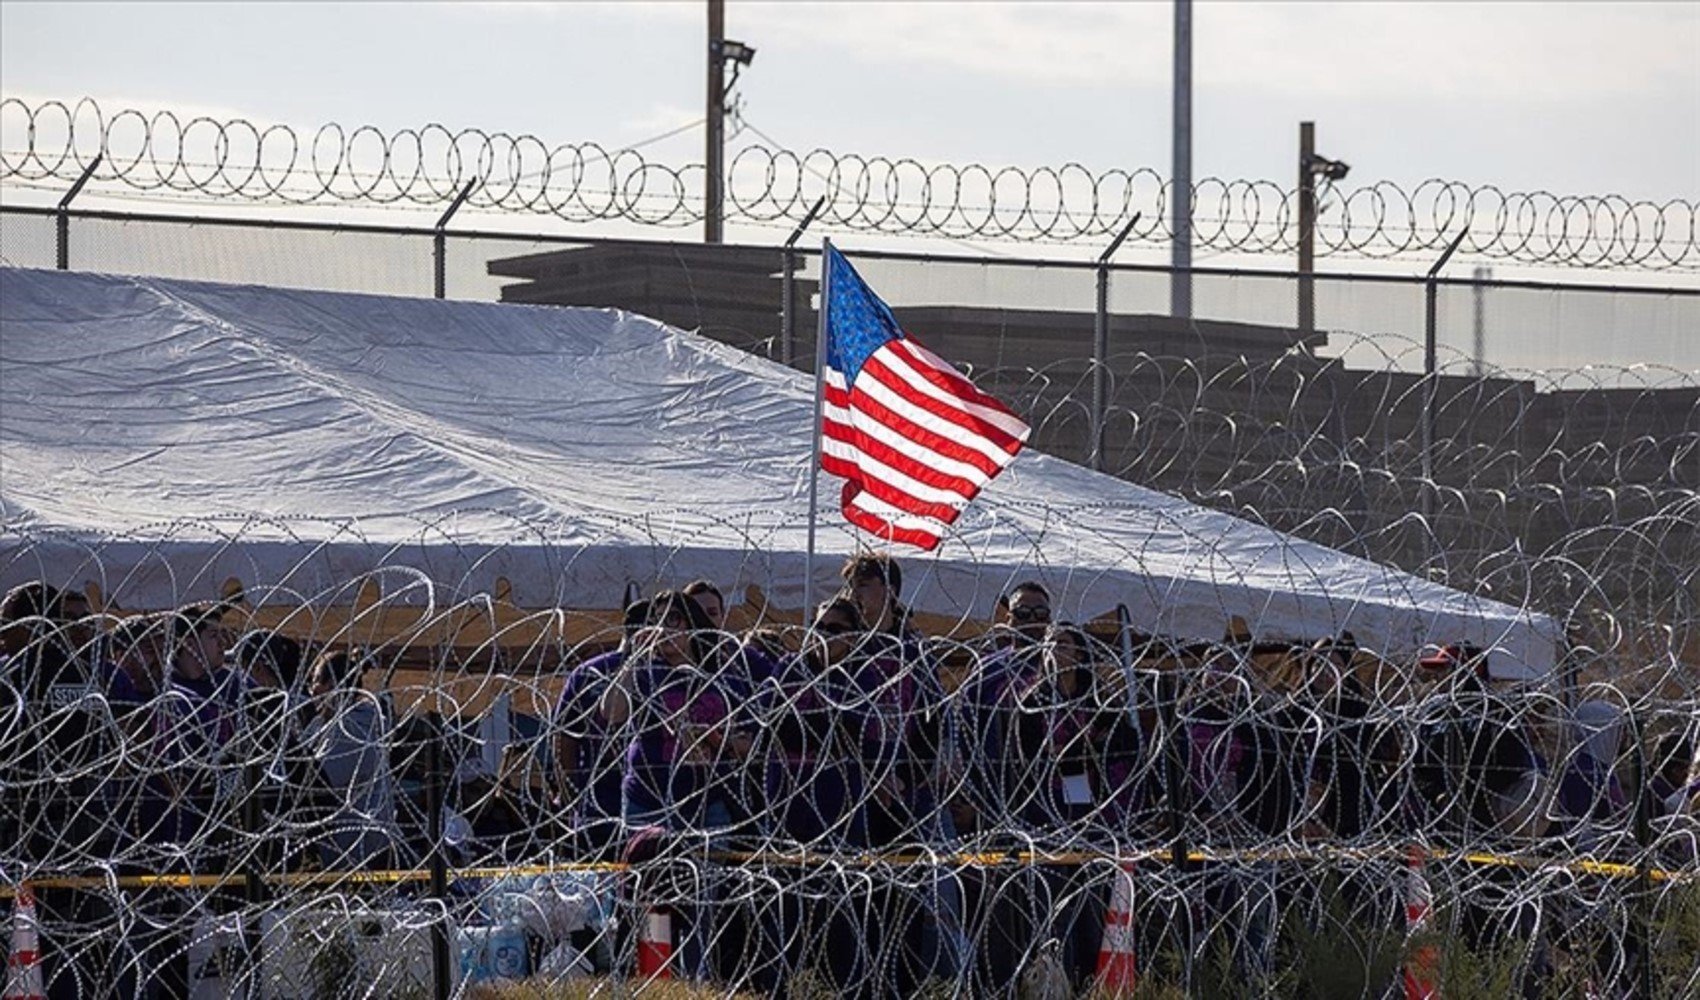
[1569, 98]
[1566, 97]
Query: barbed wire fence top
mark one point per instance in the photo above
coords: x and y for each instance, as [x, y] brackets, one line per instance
[163, 154]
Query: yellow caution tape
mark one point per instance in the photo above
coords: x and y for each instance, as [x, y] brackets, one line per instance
[810, 859]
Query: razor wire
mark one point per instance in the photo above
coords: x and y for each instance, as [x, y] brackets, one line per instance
[869, 817]
[336, 781]
[201, 157]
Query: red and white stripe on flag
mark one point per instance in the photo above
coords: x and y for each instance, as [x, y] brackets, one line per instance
[914, 440]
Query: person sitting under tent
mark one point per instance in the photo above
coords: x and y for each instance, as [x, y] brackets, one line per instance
[1476, 775]
[1476, 785]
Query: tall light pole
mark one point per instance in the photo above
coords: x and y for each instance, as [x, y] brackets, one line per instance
[1180, 151]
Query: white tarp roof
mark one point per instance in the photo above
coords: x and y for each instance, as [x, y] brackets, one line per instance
[161, 436]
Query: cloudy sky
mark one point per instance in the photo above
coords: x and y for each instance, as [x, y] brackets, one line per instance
[1571, 98]
[1568, 97]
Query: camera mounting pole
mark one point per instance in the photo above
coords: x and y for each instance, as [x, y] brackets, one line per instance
[713, 209]
[1307, 230]
[1310, 167]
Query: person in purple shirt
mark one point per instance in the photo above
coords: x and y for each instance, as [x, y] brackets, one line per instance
[1077, 743]
[688, 737]
[812, 778]
[895, 705]
[687, 742]
[813, 792]
[589, 762]
[182, 713]
[184, 709]
[749, 662]
[984, 738]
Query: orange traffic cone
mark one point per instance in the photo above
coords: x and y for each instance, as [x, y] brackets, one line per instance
[1118, 968]
[655, 946]
[1422, 968]
[23, 968]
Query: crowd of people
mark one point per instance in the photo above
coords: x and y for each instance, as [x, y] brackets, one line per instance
[166, 743]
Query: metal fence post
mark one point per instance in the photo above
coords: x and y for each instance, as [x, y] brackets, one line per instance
[440, 242]
[1174, 766]
[788, 290]
[253, 887]
[62, 220]
[1431, 377]
[441, 959]
[1101, 347]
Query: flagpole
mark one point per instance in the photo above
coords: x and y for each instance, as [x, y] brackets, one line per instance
[820, 410]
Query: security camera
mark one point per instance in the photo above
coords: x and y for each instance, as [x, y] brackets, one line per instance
[737, 52]
[1334, 170]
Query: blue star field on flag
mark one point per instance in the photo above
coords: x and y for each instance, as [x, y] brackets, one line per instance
[857, 322]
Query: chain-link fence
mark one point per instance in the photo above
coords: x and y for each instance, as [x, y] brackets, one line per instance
[362, 780]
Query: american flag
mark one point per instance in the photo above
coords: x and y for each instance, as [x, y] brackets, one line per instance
[913, 439]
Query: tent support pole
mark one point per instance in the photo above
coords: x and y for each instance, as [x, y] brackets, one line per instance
[441, 956]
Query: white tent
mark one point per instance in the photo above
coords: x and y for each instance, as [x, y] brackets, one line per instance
[163, 436]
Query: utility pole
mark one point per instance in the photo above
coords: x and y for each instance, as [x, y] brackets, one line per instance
[714, 175]
[1180, 150]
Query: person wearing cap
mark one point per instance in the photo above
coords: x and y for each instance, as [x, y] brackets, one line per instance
[984, 736]
[1476, 771]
